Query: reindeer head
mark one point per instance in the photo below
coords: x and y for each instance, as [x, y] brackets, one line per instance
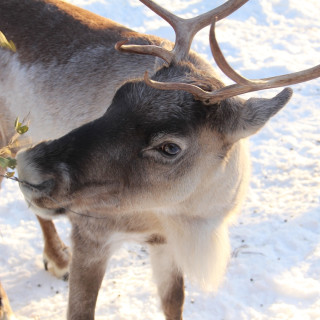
[162, 143]
[151, 149]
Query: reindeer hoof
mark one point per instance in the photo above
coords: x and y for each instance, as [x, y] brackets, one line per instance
[66, 277]
[58, 263]
[45, 264]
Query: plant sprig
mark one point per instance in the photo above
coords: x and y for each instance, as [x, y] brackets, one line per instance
[20, 127]
[6, 161]
[7, 44]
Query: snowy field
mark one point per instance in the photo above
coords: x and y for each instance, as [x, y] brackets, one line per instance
[274, 272]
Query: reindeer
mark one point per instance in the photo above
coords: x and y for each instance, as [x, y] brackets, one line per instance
[162, 160]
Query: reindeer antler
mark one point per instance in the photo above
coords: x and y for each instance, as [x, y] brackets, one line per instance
[185, 30]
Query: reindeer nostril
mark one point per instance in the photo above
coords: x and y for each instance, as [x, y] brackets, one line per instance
[60, 211]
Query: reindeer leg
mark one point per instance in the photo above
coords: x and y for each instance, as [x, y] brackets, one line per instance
[5, 309]
[169, 280]
[56, 255]
[88, 266]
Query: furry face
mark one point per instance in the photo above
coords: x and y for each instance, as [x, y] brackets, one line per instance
[146, 144]
[152, 149]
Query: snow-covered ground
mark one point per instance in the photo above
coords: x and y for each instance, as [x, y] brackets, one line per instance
[274, 272]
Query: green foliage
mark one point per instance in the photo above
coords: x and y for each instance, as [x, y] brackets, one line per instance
[4, 43]
[6, 161]
[21, 129]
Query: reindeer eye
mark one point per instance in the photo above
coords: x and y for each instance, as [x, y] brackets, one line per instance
[170, 149]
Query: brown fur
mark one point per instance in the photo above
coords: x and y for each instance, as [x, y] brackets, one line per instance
[172, 303]
[81, 29]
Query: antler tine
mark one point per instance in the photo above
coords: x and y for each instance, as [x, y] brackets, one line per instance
[171, 18]
[220, 59]
[152, 50]
[244, 85]
[185, 29]
[196, 91]
[218, 13]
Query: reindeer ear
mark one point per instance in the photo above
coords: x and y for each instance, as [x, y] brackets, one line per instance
[255, 112]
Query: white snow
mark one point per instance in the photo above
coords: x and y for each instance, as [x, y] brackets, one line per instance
[274, 272]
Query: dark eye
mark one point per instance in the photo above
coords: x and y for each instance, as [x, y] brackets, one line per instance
[170, 149]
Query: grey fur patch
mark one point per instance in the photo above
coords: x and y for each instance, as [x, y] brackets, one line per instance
[258, 111]
[238, 118]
